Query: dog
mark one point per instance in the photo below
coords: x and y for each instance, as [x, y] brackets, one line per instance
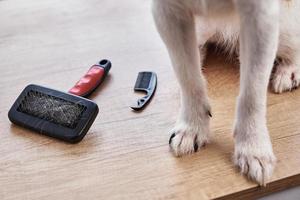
[262, 33]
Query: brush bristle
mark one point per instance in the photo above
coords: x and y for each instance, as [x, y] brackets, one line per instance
[52, 109]
[143, 80]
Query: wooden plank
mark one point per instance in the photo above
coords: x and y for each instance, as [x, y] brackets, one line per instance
[125, 154]
[257, 192]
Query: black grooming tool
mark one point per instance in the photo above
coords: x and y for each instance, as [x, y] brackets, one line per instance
[57, 114]
[146, 82]
[53, 113]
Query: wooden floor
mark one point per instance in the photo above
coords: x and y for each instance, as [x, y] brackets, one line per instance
[125, 155]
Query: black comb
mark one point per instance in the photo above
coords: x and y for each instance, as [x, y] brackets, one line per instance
[146, 82]
[53, 113]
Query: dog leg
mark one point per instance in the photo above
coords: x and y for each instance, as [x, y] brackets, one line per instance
[176, 26]
[258, 45]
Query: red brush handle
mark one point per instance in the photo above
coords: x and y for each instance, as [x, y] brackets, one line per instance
[91, 80]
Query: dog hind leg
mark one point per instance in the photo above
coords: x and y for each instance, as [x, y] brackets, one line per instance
[286, 76]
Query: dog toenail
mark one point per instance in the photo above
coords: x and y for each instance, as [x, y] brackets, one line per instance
[172, 136]
[209, 113]
[196, 147]
[293, 76]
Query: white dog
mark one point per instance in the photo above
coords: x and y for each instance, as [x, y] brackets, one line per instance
[262, 31]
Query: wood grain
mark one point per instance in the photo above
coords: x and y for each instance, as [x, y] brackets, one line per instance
[125, 155]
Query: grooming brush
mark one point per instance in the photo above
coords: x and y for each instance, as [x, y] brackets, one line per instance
[145, 82]
[64, 116]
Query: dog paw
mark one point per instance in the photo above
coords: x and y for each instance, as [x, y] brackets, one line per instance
[285, 78]
[187, 139]
[257, 163]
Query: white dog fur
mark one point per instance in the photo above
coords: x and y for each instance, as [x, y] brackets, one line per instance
[262, 31]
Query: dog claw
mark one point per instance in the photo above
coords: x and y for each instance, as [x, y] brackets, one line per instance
[209, 113]
[196, 147]
[172, 136]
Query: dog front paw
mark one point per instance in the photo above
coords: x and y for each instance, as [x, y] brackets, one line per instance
[187, 139]
[255, 159]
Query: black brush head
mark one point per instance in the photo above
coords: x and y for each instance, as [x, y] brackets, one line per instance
[53, 113]
[51, 108]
